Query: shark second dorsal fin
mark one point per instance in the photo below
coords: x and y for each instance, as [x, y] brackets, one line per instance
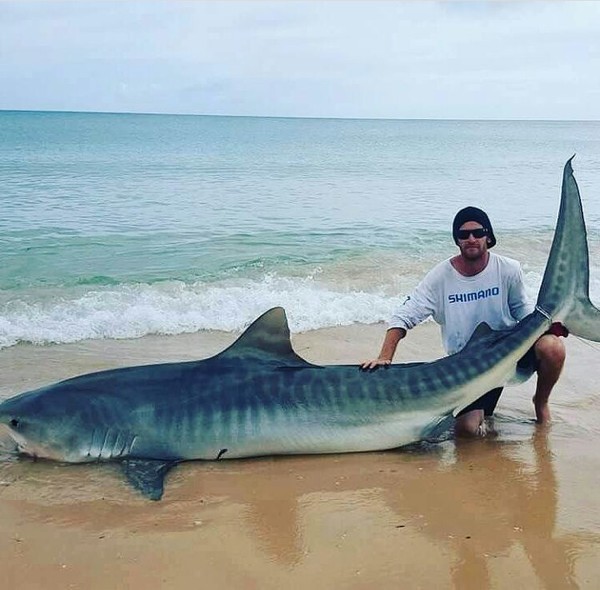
[483, 333]
[267, 335]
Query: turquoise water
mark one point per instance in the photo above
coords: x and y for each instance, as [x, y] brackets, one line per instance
[117, 226]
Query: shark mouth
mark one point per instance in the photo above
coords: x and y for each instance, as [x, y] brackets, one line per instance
[10, 442]
[14, 443]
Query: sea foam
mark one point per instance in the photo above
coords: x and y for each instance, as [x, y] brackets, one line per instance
[174, 307]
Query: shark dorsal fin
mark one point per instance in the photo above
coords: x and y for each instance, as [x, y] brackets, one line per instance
[268, 335]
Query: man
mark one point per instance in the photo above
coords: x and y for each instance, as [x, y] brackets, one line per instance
[472, 287]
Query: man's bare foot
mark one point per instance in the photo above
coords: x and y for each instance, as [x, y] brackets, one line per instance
[542, 410]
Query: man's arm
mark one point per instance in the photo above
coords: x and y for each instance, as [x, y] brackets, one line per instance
[388, 348]
[415, 309]
[518, 302]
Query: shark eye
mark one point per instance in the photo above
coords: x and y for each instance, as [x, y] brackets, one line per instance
[14, 423]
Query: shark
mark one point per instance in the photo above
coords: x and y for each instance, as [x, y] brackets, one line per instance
[258, 397]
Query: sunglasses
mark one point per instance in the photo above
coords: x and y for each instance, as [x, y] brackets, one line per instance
[480, 232]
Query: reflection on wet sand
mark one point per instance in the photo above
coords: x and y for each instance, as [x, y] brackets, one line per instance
[478, 511]
[516, 502]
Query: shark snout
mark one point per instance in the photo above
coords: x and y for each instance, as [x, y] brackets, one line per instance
[9, 440]
[12, 428]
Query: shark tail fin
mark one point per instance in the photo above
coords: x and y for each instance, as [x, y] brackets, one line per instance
[564, 294]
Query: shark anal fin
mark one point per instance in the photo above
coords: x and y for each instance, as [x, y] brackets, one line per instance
[147, 476]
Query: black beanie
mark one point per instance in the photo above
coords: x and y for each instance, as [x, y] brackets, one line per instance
[477, 215]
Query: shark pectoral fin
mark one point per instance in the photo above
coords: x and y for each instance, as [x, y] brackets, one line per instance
[147, 475]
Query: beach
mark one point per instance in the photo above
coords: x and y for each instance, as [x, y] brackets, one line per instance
[133, 239]
[516, 508]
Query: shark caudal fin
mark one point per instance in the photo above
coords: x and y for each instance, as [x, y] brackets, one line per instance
[564, 294]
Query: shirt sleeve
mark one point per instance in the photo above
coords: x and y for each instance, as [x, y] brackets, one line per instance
[518, 302]
[420, 305]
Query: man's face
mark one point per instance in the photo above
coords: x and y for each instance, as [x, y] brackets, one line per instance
[472, 247]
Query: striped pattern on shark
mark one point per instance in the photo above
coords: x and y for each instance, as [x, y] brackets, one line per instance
[258, 397]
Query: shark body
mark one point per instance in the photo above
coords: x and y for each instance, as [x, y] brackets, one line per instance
[258, 397]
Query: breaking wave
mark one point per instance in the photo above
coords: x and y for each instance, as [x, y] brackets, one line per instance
[175, 307]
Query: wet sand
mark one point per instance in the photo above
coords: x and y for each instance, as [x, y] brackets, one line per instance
[521, 508]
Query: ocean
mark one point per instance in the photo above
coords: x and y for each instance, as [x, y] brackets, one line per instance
[122, 225]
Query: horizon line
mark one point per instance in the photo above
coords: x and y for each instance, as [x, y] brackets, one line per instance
[159, 114]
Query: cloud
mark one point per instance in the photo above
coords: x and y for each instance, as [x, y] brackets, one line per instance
[304, 58]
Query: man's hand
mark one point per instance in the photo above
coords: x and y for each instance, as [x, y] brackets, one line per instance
[386, 354]
[558, 329]
[374, 364]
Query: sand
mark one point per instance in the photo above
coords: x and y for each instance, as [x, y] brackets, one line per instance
[519, 509]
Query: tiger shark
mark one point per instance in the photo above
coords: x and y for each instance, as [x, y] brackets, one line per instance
[258, 397]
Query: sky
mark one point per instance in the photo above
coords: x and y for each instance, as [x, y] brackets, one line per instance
[300, 58]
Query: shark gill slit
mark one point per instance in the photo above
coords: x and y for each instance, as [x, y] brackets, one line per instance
[91, 447]
[102, 454]
[134, 438]
[119, 444]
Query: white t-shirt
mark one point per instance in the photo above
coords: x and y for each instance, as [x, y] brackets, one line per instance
[459, 304]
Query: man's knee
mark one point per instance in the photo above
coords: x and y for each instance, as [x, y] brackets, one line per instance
[469, 424]
[550, 351]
